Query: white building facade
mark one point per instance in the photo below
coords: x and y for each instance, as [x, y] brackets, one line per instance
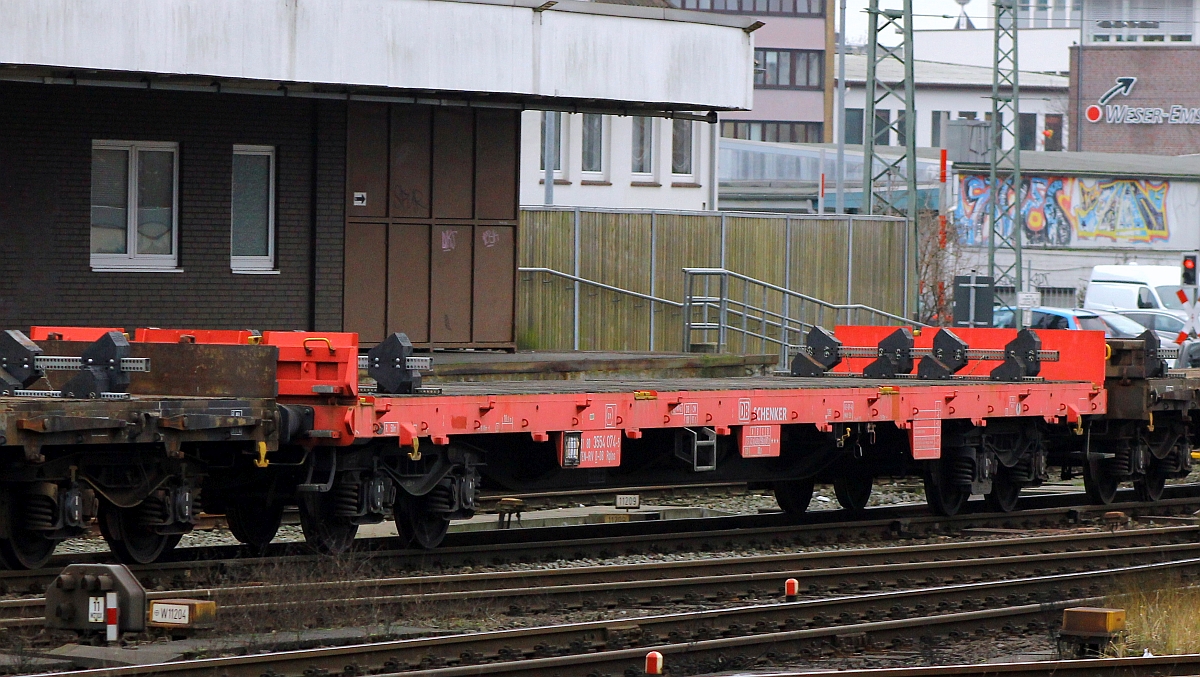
[954, 91]
[621, 161]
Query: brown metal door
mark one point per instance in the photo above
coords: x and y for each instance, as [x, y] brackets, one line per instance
[453, 164]
[450, 284]
[408, 281]
[494, 270]
[367, 159]
[365, 279]
[496, 162]
[412, 145]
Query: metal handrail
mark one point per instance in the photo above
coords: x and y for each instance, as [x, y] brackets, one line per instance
[601, 285]
[765, 321]
[607, 287]
[802, 297]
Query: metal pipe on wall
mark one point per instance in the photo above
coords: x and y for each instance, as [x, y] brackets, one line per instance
[714, 179]
[549, 152]
[841, 111]
[578, 289]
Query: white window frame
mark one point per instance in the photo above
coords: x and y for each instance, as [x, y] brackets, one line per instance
[605, 154]
[695, 143]
[655, 152]
[255, 265]
[131, 261]
[564, 124]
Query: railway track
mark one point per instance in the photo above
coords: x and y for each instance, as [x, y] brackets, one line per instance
[703, 581]
[230, 564]
[696, 641]
[489, 501]
[1152, 666]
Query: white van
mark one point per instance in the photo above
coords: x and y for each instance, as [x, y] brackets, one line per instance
[1133, 287]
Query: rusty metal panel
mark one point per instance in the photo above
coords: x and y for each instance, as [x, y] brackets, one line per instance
[408, 281]
[366, 159]
[450, 284]
[365, 281]
[187, 369]
[412, 156]
[497, 142]
[453, 164]
[612, 250]
[495, 267]
[545, 302]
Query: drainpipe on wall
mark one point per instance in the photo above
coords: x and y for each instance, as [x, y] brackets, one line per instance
[548, 153]
[841, 112]
[714, 142]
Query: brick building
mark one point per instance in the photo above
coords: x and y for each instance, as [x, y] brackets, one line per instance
[1158, 112]
[337, 168]
[1133, 79]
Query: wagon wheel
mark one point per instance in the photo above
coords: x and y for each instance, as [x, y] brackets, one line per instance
[254, 524]
[26, 549]
[131, 541]
[1004, 494]
[794, 495]
[1150, 487]
[1101, 488]
[944, 498]
[324, 531]
[418, 526]
[853, 490]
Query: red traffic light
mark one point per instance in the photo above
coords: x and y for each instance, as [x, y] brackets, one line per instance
[1189, 262]
[1189, 270]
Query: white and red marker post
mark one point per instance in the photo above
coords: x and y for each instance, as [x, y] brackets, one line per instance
[1189, 326]
[112, 617]
[654, 663]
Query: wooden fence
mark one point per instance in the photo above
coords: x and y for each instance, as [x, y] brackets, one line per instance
[839, 259]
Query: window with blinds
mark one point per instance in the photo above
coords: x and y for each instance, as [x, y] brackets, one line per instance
[1139, 21]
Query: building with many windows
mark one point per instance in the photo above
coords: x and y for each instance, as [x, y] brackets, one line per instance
[338, 167]
[954, 91]
[793, 77]
[607, 161]
[620, 161]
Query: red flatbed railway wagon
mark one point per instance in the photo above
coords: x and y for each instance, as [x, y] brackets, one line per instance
[972, 412]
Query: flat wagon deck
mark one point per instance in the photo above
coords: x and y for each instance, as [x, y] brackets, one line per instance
[139, 434]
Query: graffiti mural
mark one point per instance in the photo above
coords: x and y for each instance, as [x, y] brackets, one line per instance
[1065, 211]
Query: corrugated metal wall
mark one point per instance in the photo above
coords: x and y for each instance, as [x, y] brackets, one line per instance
[839, 259]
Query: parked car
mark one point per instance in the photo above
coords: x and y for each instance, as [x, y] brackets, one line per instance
[1112, 324]
[1133, 287]
[1120, 326]
[1166, 323]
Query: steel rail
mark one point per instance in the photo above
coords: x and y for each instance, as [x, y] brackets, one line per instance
[1157, 666]
[488, 501]
[655, 583]
[777, 529]
[700, 589]
[608, 645]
